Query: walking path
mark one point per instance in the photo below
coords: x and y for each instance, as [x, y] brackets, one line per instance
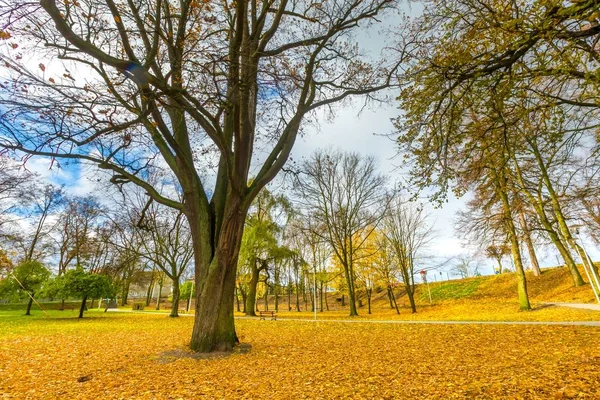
[586, 306]
[424, 322]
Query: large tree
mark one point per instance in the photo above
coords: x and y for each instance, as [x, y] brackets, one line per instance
[185, 86]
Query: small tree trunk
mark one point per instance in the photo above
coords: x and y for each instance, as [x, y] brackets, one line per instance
[326, 301]
[237, 300]
[321, 299]
[150, 290]
[266, 297]
[389, 295]
[395, 302]
[82, 307]
[500, 268]
[289, 297]
[28, 312]
[369, 293]
[160, 286]
[410, 291]
[176, 295]
[251, 297]
[297, 297]
[244, 299]
[524, 304]
[535, 266]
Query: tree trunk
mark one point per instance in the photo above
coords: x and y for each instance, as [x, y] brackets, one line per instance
[535, 266]
[326, 301]
[251, 296]
[369, 293]
[266, 297]
[29, 304]
[500, 268]
[351, 293]
[176, 295]
[514, 243]
[395, 302]
[389, 295]
[321, 298]
[410, 291]
[237, 300]
[244, 297]
[82, 307]
[150, 289]
[289, 297]
[214, 328]
[297, 297]
[158, 296]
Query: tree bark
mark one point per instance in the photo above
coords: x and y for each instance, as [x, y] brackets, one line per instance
[176, 296]
[251, 296]
[28, 312]
[539, 207]
[82, 307]
[389, 295]
[535, 266]
[524, 304]
[410, 291]
[351, 293]
[369, 293]
[214, 328]
[158, 296]
[150, 289]
[395, 302]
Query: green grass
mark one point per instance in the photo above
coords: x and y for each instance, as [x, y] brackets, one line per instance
[452, 290]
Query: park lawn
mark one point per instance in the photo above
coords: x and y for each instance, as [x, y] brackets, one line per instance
[144, 356]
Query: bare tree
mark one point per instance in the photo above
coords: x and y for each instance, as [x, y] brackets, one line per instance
[408, 231]
[345, 193]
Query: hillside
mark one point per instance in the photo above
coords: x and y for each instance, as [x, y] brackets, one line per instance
[554, 285]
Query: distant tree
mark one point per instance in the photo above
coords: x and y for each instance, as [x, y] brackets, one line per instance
[26, 280]
[465, 267]
[345, 193]
[260, 242]
[81, 284]
[188, 291]
[497, 253]
[408, 232]
[77, 230]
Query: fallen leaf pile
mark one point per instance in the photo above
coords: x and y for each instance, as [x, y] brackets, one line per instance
[144, 356]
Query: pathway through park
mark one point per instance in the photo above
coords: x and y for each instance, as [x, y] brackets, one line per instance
[371, 321]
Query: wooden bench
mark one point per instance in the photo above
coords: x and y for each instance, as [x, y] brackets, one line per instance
[272, 314]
